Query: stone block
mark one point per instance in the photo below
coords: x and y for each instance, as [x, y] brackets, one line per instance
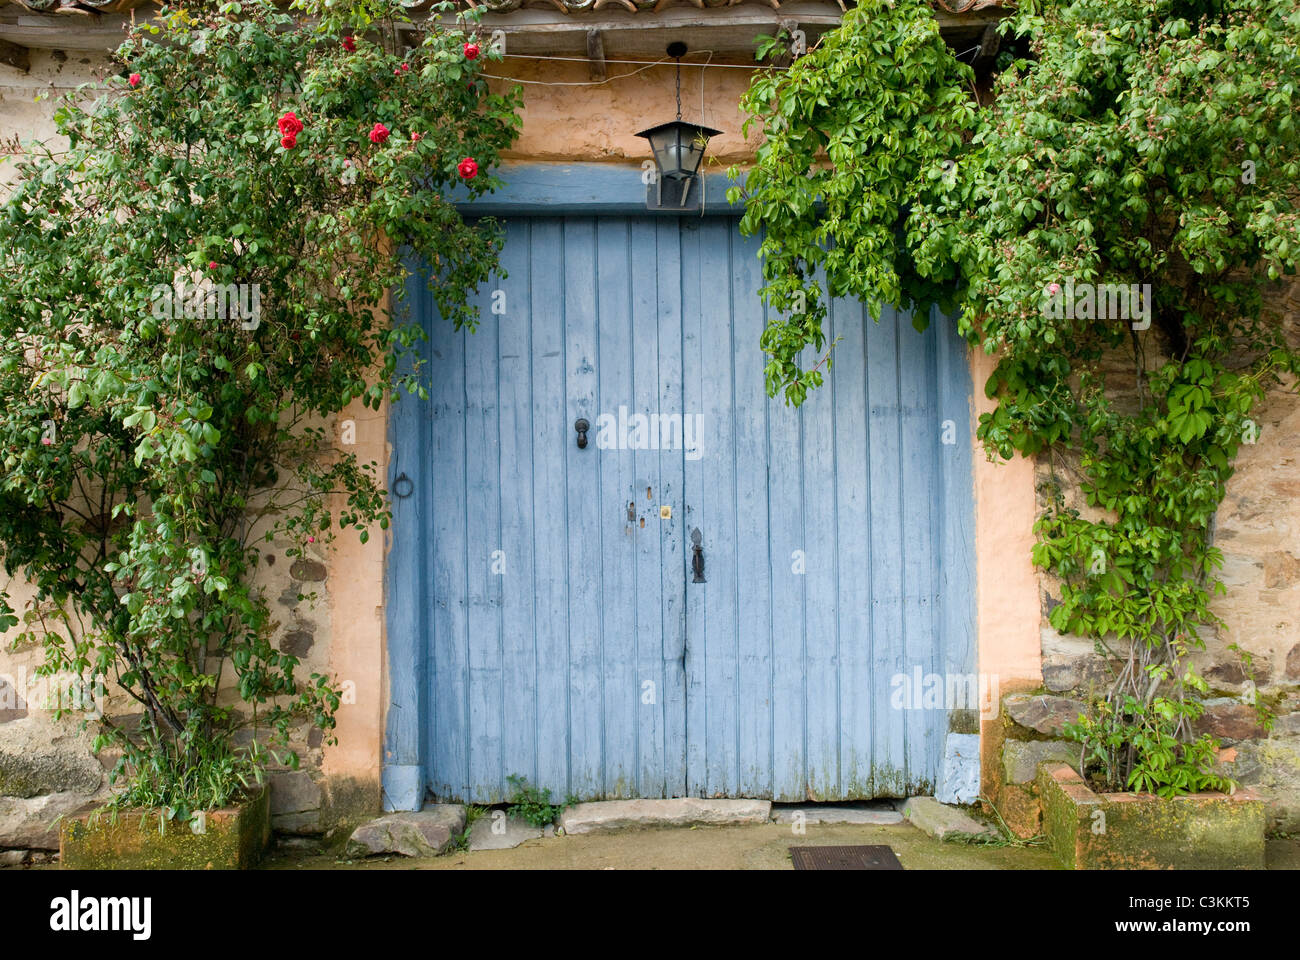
[1042, 713]
[420, 833]
[941, 821]
[230, 839]
[959, 781]
[827, 813]
[1117, 831]
[606, 815]
[495, 830]
[1021, 758]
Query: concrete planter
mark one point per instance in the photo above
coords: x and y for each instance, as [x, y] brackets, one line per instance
[232, 838]
[1140, 831]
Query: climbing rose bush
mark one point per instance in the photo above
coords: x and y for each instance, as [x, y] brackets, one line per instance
[192, 283]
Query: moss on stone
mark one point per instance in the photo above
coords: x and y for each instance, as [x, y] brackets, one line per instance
[1089, 831]
[233, 839]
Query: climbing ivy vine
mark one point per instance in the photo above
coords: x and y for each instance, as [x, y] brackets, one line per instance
[1106, 225]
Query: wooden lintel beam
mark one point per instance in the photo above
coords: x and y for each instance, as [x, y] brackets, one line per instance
[15, 56]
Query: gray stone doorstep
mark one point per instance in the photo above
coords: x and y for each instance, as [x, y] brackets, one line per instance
[496, 831]
[433, 830]
[940, 820]
[608, 815]
[836, 813]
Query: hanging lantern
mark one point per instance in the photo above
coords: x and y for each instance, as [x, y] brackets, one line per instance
[677, 146]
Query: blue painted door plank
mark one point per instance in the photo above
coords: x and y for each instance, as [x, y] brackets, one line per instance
[553, 436]
[957, 574]
[753, 538]
[788, 595]
[514, 568]
[483, 533]
[715, 502]
[853, 555]
[617, 515]
[647, 663]
[919, 431]
[886, 536]
[586, 524]
[408, 621]
[694, 481]
[450, 694]
[670, 283]
[821, 667]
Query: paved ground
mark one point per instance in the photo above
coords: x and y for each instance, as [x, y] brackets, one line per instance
[745, 847]
[748, 847]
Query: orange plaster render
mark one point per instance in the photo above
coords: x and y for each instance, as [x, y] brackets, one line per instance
[586, 122]
[356, 600]
[1007, 607]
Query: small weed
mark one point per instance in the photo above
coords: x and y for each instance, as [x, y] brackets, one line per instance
[460, 842]
[532, 804]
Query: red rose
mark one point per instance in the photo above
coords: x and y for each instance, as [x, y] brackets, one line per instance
[349, 44]
[212, 264]
[471, 51]
[378, 133]
[289, 124]
[134, 80]
[288, 141]
[415, 137]
[406, 68]
[468, 168]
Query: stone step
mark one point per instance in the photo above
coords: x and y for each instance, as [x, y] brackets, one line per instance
[495, 830]
[940, 820]
[836, 813]
[608, 815]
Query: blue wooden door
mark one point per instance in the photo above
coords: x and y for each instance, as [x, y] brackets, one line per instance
[577, 637]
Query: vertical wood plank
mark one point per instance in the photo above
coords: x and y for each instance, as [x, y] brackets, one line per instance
[483, 628]
[821, 665]
[586, 524]
[717, 509]
[785, 519]
[919, 430]
[446, 471]
[671, 247]
[518, 706]
[552, 436]
[405, 738]
[887, 550]
[618, 532]
[695, 480]
[753, 538]
[957, 543]
[648, 616]
[853, 531]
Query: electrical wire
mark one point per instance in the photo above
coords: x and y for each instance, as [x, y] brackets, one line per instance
[730, 66]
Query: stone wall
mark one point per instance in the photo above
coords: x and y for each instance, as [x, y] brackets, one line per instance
[1255, 656]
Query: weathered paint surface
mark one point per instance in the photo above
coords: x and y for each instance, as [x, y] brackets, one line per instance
[551, 609]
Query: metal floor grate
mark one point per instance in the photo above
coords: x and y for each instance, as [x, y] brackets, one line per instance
[877, 857]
